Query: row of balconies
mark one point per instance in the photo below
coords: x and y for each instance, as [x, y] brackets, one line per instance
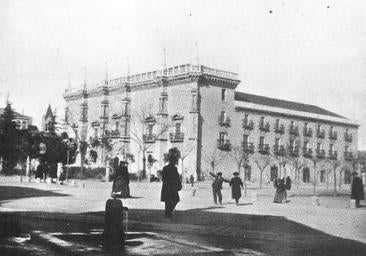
[279, 150]
[174, 137]
[294, 130]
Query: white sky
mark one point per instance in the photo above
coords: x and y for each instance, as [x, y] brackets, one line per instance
[309, 51]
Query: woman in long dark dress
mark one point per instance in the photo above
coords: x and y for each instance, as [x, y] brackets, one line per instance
[120, 188]
[171, 185]
[280, 195]
[357, 191]
[236, 185]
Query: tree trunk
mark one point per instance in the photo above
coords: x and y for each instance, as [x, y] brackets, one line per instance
[260, 179]
[143, 165]
[335, 181]
[340, 182]
[314, 189]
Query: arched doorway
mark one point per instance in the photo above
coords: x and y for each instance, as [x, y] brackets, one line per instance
[274, 172]
[347, 176]
[248, 172]
[306, 175]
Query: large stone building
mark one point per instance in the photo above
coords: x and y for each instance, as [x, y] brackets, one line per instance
[196, 108]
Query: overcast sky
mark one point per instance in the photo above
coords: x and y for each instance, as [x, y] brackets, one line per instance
[309, 51]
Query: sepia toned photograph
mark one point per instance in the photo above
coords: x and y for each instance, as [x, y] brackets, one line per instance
[188, 128]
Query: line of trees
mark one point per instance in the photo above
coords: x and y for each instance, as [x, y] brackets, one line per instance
[19, 144]
[242, 156]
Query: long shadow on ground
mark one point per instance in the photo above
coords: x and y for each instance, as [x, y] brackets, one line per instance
[13, 192]
[269, 234]
[285, 237]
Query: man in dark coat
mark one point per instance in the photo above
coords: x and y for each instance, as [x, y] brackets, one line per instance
[357, 191]
[236, 185]
[217, 186]
[171, 185]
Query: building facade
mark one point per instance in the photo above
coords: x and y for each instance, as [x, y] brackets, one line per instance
[22, 121]
[196, 109]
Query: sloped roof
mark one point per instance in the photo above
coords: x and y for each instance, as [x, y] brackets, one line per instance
[261, 100]
[49, 112]
[16, 114]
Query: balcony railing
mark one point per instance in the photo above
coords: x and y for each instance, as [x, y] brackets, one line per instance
[307, 152]
[226, 122]
[113, 134]
[294, 130]
[264, 149]
[348, 156]
[149, 138]
[279, 150]
[333, 155]
[348, 137]
[293, 151]
[176, 137]
[320, 134]
[224, 145]
[279, 129]
[333, 135]
[248, 147]
[308, 132]
[264, 127]
[320, 153]
[248, 125]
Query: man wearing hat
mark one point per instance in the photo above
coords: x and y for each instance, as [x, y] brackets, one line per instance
[217, 186]
[236, 184]
[357, 191]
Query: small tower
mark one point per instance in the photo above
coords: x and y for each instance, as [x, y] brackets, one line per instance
[47, 119]
[126, 115]
[84, 110]
[104, 116]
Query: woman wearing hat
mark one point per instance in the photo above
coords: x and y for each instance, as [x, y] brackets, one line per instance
[236, 184]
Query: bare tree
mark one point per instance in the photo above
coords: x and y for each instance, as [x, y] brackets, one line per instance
[213, 158]
[141, 121]
[241, 158]
[82, 144]
[185, 150]
[297, 163]
[262, 162]
[335, 164]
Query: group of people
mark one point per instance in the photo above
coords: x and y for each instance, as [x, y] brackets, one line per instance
[171, 185]
[53, 172]
[282, 186]
[121, 181]
[236, 185]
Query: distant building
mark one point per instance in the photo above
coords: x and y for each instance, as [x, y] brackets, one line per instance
[196, 108]
[48, 119]
[22, 121]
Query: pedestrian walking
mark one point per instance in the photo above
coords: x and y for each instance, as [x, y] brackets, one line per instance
[171, 184]
[39, 171]
[126, 177]
[236, 185]
[191, 180]
[357, 191]
[217, 186]
[288, 186]
[280, 195]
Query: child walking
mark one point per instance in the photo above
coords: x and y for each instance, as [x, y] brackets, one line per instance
[236, 184]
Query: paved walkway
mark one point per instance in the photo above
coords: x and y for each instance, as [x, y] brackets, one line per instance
[298, 219]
